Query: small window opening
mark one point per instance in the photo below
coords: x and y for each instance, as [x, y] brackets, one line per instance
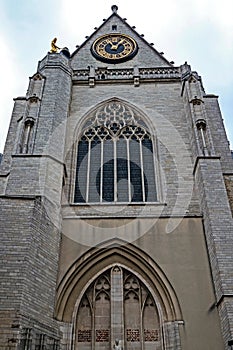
[114, 27]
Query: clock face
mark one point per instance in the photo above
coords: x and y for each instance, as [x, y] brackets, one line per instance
[114, 48]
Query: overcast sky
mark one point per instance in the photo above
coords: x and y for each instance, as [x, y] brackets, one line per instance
[197, 31]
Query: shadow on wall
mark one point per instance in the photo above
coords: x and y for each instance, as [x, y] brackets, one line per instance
[1, 157]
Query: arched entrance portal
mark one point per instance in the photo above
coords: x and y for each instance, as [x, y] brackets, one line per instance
[118, 292]
[117, 311]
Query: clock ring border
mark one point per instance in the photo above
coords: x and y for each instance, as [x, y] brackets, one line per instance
[114, 60]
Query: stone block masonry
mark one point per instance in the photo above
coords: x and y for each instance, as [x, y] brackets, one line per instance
[28, 259]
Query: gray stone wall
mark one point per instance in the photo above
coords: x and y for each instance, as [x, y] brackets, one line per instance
[218, 228]
[213, 164]
[28, 278]
[31, 185]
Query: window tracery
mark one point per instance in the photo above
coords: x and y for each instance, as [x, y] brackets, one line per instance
[115, 161]
[117, 305]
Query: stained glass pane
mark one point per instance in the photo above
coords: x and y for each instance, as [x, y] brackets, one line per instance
[135, 171]
[94, 186]
[108, 172]
[149, 172]
[122, 171]
[81, 174]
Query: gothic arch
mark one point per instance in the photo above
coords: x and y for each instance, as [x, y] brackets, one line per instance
[97, 260]
[115, 156]
[138, 321]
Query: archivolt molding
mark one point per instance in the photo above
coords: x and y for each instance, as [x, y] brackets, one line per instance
[93, 263]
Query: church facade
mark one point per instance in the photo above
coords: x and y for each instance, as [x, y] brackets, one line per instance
[116, 197]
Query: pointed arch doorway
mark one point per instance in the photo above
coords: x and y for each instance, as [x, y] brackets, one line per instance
[118, 292]
[117, 311]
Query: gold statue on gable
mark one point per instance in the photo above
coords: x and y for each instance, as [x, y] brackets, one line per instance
[54, 47]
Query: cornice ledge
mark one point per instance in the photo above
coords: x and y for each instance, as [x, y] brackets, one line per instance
[203, 157]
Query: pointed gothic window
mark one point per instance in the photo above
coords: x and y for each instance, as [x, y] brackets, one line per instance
[117, 305]
[115, 161]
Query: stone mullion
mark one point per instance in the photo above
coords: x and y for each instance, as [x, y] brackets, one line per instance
[101, 170]
[93, 324]
[93, 319]
[115, 169]
[141, 317]
[142, 172]
[88, 171]
[117, 306]
[128, 165]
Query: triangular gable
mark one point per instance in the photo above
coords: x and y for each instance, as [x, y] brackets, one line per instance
[147, 55]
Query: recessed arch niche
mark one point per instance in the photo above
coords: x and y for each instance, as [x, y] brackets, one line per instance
[119, 293]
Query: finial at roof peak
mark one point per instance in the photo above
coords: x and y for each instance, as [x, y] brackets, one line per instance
[114, 8]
